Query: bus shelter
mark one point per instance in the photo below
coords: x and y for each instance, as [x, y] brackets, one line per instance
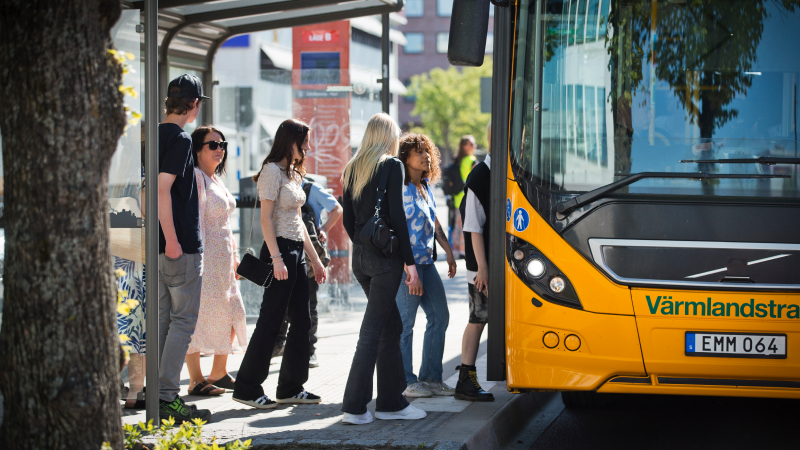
[187, 34]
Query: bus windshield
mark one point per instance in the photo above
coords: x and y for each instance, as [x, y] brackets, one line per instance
[628, 86]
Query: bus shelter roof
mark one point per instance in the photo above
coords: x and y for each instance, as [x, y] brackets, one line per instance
[191, 30]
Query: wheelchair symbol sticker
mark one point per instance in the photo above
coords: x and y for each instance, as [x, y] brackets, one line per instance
[521, 219]
[508, 209]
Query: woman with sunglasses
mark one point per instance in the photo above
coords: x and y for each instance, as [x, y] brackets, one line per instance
[221, 317]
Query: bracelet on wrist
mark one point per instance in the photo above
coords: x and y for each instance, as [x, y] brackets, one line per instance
[278, 256]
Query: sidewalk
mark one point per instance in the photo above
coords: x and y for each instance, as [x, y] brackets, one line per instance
[450, 422]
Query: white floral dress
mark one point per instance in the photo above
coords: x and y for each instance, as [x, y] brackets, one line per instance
[221, 306]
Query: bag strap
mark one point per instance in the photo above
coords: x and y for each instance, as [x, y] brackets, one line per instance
[252, 222]
[385, 171]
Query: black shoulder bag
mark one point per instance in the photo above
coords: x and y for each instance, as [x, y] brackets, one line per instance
[376, 233]
[251, 267]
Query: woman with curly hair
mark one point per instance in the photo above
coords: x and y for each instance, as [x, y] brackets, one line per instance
[421, 159]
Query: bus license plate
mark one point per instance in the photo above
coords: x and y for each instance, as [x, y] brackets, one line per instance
[736, 345]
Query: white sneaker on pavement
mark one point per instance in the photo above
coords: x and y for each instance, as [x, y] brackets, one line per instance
[439, 388]
[409, 413]
[357, 419]
[417, 390]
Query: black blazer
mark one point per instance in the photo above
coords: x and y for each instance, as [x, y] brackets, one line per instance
[358, 211]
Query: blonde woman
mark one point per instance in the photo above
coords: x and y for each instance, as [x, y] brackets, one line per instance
[379, 276]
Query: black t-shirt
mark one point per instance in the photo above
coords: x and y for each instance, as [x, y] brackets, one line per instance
[175, 157]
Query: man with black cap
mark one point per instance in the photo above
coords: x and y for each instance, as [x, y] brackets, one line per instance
[180, 245]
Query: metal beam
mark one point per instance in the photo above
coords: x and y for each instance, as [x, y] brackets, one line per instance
[385, 62]
[310, 20]
[501, 99]
[247, 11]
[151, 116]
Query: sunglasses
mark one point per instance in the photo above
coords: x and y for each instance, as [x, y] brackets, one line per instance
[213, 145]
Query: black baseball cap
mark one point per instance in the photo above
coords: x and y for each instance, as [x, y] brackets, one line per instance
[190, 85]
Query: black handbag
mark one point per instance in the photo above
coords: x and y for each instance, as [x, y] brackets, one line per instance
[251, 267]
[376, 234]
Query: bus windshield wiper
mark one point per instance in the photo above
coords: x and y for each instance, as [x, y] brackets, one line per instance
[766, 160]
[576, 202]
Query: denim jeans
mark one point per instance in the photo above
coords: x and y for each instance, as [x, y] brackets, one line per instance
[291, 294]
[379, 337]
[179, 284]
[434, 303]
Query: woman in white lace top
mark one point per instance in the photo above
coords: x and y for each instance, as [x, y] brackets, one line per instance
[285, 240]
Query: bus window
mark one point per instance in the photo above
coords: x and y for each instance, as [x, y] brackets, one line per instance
[632, 86]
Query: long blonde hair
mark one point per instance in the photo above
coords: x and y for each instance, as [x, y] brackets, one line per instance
[381, 140]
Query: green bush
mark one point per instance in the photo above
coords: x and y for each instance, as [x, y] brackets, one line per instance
[185, 437]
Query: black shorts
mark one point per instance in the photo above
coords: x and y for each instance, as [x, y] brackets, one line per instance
[478, 305]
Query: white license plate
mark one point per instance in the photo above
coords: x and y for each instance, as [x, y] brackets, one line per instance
[736, 345]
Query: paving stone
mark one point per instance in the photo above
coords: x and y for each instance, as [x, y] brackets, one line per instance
[365, 442]
[318, 443]
[263, 443]
[406, 445]
[450, 445]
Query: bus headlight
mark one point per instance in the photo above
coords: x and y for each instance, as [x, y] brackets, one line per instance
[540, 274]
[557, 285]
[536, 267]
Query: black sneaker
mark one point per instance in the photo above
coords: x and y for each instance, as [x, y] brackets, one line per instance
[302, 397]
[181, 411]
[262, 402]
[468, 387]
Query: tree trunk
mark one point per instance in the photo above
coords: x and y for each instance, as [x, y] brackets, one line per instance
[61, 116]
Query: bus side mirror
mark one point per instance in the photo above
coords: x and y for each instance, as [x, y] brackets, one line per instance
[468, 26]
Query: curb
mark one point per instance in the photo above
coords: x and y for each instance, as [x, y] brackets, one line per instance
[508, 422]
[497, 432]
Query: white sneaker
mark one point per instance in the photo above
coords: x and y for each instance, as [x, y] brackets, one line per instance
[439, 388]
[417, 390]
[357, 419]
[409, 413]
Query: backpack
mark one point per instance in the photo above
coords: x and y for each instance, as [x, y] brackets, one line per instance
[310, 220]
[452, 183]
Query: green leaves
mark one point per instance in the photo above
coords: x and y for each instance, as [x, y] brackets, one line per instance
[448, 102]
[186, 437]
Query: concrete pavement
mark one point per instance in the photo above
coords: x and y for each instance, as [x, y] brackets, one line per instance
[450, 423]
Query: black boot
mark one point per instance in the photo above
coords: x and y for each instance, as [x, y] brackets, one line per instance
[468, 387]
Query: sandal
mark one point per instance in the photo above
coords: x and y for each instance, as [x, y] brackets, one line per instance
[225, 382]
[203, 389]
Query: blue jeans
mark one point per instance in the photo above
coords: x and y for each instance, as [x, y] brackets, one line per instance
[434, 304]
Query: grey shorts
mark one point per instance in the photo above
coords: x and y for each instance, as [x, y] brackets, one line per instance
[478, 305]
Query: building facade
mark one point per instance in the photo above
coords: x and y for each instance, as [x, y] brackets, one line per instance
[427, 33]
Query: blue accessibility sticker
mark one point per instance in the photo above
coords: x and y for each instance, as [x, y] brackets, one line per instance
[521, 219]
[508, 209]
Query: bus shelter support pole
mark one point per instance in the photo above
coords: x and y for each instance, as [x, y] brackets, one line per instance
[385, 63]
[151, 115]
[501, 98]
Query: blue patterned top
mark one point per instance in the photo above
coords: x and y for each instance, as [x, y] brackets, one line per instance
[420, 216]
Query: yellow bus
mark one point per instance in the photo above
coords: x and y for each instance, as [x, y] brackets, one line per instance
[646, 166]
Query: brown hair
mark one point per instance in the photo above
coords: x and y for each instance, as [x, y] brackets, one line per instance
[413, 141]
[291, 131]
[179, 105]
[462, 144]
[198, 139]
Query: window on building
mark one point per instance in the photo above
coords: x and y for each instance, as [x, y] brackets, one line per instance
[415, 8]
[444, 8]
[441, 42]
[416, 43]
[490, 43]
